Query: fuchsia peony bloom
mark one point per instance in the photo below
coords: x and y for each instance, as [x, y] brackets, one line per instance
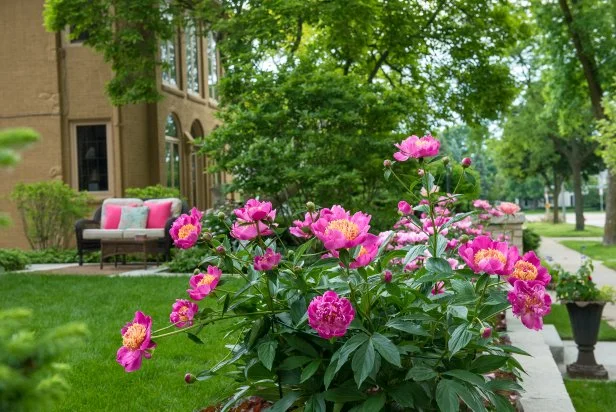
[183, 312]
[367, 253]
[330, 315]
[509, 208]
[254, 211]
[337, 229]
[416, 147]
[186, 229]
[268, 261]
[302, 228]
[204, 283]
[485, 255]
[404, 208]
[529, 269]
[249, 230]
[136, 342]
[530, 303]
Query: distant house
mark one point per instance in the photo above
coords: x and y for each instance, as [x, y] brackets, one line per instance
[56, 86]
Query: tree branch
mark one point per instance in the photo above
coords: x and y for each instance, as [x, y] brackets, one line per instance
[378, 65]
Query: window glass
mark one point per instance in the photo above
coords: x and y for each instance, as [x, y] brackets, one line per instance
[92, 162]
[168, 57]
[172, 153]
[212, 66]
[192, 59]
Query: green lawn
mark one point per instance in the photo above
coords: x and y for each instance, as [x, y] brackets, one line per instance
[560, 319]
[106, 303]
[563, 230]
[592, 396]
[594, 250]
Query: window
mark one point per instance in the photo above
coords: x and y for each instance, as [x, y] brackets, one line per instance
[92, 157]
[212, 66]
[169, 59]
[192, 59]
[172, 153]
[83, 36]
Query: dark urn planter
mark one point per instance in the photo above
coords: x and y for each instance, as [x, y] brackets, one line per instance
[585, 319]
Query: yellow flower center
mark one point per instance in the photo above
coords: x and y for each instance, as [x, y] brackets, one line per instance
[489, 254]
[423, 143]
[362, 251]
[182, 313]
[185, 231]
[207, 280]
[524, 271]
[134, 336]
[348, 229]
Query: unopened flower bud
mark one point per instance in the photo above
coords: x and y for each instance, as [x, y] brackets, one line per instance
[221, 250]
[189, 378]
[196, 271]
[387, 163]
[221, 215]
[466, 162]
[486, 332]
[310, 206]
[207, 236]
[387, 276]
[464, 239]
[421, 172]
[445, 160]
[404, 207]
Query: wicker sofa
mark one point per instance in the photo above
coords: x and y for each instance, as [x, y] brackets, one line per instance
[89, 232]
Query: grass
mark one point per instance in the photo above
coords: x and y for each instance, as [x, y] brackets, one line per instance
[563, 230]
[594, 250]
[560, 319]
[592, 396]
[105, 304]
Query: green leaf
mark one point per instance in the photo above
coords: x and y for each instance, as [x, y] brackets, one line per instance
[465, 293]
[316, 403]
[298, 310]
[387, 174]
[460, 312]
[344, 394]
[374, 403]
[466, 376]
[438, 265]
[500, 403]
[446, 397]
[503, 385]
[386, 349]
[301, 250]
[363, 362]
[310, 370]
[267, 353]
[301, 345]
[349, 346]
[460, 337]
[421, 373]
[413, 253]
[225, 305]
[513, 349]
[441, 245]
[470, 397]
[194, 338]
[405, 394]
[488, 363]
[294, 362]
[344, 256]
[407, 326]
[205, 375]
[285, 402]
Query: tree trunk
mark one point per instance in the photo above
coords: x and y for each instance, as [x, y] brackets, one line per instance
[555, 194]
[609, 235]
[576, 169]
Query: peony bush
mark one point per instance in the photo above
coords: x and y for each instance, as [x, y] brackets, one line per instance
[353, 320]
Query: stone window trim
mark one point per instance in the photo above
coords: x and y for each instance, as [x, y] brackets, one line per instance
[110, 156]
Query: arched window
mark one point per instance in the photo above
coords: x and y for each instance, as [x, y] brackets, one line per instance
[172, 152]
[192, 58]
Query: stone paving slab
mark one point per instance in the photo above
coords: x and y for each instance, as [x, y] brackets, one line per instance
[47, 267]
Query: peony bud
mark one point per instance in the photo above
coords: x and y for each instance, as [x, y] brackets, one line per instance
[466, 162]
[445, 160]
[310, 206]
[221, 250]
[207, 236]
[387, 163]
[464, 239]
[387, 276]
[189, 378]
[196, 271]
[404, 207]
[221, 215]
[486, 332]
[421, 172]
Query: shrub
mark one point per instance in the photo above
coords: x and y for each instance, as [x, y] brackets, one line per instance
[153, 192]
[530, 240]
[49, 211]
[60, 256]
[12, 260]
[185, 261]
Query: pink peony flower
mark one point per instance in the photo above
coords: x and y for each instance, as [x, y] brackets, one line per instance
[136, 342]
[404, 208]
[255, 210]
[267, 261]
[330, 315]
[204, 283]
[509, 208]
[416, 147]
[302, 228]
[186, 229]
[529, 269]
[485, 255]
[243, 230]
[367, 253]
[438, 288]
[183, 312]
[337, 229]
[530, 303]
[453, 263]
[482, 204]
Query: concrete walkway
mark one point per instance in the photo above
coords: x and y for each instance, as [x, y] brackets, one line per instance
[571, 260]
[92, 269]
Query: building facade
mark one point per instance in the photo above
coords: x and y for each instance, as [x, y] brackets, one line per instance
[56, 86]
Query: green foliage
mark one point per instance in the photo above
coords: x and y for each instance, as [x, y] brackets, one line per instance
[530, 240]
[153, 192]
[563, 230]
[607, 135]
[30, 376]
[595, 250]
[185, 261]
[60, 256]
[12, 260]
[580, 286]
[49, 211]
[591, 395]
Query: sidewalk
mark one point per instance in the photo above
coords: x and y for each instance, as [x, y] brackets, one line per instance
[570, 260]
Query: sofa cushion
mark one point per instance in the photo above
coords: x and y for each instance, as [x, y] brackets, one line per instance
[150, 233]
[102, 234]
[116, 211]
[158, 215]
[176, 204]
[133, 217]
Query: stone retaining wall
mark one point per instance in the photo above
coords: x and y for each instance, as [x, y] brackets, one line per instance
[510, 226]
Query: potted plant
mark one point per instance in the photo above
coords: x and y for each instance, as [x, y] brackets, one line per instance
[584, 302]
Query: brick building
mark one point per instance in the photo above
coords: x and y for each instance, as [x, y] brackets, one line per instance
[56, 86]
